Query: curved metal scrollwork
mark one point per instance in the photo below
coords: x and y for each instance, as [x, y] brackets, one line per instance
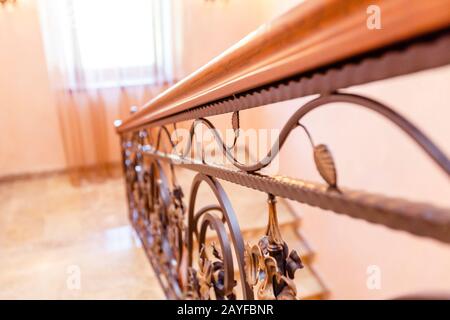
[322, 155]
[215, 265]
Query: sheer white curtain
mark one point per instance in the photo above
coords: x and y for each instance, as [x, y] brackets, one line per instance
[104, 56]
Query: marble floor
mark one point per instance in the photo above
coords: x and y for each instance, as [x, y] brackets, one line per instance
[58, 241]
[63, 242]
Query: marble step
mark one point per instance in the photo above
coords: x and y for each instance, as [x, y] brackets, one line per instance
[309, 285]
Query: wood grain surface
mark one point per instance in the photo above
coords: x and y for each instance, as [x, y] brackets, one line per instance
[315, 33]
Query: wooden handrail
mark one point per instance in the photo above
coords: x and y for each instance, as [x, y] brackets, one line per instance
[312, 35]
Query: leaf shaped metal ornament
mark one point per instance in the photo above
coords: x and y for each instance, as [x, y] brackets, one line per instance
[265, 291]
[254, 261]
[235, 123]
[205, 277]
[204, 274]
[289, 291]
[293, 263]
[216, 252]
[325, 164]
[251, 266]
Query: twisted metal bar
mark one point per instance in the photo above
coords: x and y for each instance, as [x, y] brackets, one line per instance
[417, 218]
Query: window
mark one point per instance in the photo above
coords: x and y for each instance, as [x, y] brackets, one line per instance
[114, 33]
[106, 43]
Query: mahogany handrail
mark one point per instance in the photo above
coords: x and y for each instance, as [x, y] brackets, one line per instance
[312, 35]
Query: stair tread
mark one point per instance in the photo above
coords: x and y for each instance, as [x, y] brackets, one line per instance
[308, 284]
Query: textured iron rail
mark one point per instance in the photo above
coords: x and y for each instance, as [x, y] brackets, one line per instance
[417, 218]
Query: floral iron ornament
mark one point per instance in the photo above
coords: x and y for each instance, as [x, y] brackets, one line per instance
[212, 274]
[271, 264]
[209, 278]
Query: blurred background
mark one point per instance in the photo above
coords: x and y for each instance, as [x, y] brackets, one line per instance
[69, 68]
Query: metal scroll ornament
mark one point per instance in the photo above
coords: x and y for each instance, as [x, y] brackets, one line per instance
[211, 267]
[208, 282]
[270, 264]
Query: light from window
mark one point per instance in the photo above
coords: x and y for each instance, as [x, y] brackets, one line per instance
[114, 34]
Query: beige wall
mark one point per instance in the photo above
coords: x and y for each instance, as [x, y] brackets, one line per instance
[30, 139]
[210, 27]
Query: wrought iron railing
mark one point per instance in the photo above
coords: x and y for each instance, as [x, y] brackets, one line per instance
[319, 47]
